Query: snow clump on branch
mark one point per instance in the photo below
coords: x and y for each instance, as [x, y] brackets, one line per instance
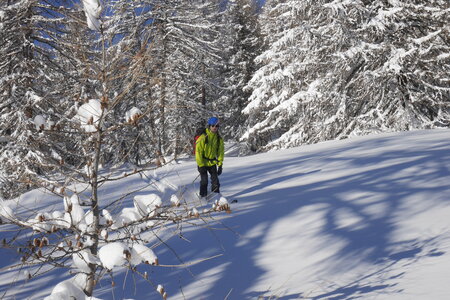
[118, 254]
[147, 205]
[132, 115]
[89, 115]
[142, 254]
[92, 10]
[66, 290]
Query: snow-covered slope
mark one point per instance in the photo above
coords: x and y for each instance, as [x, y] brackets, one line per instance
[365, 218]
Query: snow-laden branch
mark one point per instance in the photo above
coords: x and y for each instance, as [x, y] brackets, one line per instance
[92, 10]
[66, 236]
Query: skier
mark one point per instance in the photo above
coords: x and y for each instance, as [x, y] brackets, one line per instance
[209, 154]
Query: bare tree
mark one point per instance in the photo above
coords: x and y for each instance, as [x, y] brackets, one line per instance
[71, 142]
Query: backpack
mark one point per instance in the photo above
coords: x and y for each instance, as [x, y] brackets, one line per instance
[198, 133]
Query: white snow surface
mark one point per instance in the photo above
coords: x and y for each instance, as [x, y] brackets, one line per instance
[363, 218]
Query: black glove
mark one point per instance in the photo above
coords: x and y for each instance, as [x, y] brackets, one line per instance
[219, 170]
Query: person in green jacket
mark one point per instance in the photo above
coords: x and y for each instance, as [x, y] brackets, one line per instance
[209, 154]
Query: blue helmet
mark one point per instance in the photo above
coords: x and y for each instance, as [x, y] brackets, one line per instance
[213, 121]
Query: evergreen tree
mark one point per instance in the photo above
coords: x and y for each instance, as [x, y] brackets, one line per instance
[29, 78]
[334, 69]
[243, 44]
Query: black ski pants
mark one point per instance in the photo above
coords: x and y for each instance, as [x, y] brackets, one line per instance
[215, 185]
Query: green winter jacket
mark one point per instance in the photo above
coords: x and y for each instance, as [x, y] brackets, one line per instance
[210, 153]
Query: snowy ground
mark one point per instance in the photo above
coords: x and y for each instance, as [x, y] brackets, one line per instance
[364, 218]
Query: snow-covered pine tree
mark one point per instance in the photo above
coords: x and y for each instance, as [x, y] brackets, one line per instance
[277, 78]
[397, 71]
[242, 43]
[30, 82]
[338, 68]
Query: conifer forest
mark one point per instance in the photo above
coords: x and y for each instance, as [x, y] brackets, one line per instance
[279, 74]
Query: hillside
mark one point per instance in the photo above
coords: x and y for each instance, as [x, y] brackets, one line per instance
[363, 218]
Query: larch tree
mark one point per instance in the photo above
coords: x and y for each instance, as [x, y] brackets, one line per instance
[76, 119]
[184, 47]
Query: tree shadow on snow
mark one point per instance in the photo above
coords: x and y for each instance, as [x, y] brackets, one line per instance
[277, 188]
[386, 174]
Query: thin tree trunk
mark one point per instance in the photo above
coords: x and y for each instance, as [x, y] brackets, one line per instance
[91, 282]
[95, 212]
